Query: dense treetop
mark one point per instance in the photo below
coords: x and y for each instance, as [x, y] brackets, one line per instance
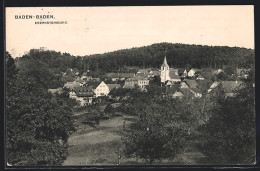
[38, 123]
[178, 56]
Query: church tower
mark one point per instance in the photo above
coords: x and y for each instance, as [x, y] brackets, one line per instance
[165, 71]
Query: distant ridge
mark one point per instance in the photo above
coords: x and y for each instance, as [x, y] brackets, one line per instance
[178, 56]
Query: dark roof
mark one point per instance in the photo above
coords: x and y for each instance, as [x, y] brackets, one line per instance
[111, 86]
[93, 85]
[204, 85]
[181, 70]
[185, 91]
[191, 83]
[120, 75]
[172, 89]
[72, 85]
[175, 70]
[95, 79]
[110, 75]
[196, 90]
[156, 72]
[80, 81]
[146, 71]
[173, 75]
[142, 75]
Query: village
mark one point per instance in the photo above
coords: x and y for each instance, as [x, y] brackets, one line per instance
[98, 117]
[177, 82]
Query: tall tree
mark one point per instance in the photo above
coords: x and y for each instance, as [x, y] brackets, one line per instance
[230, 132]
[154, 135]
[37, 125]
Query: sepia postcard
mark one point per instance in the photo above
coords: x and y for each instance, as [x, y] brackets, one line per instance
[130, 86]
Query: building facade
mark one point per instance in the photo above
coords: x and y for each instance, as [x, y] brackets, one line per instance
[165, 71]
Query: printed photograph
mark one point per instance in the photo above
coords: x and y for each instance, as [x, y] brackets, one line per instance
[130, 86]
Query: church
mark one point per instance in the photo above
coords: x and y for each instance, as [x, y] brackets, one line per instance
[169, 74]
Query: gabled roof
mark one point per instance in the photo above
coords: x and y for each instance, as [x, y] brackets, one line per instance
[184, 73]
[200, 76]
[111, 75]
[196, 90]
[73, 84]
[181, 70]
[173, 75]
[126, 75]
[80, 81]
[93, 85]
[141, 75]
[165, 64]
[156, 72]
[192, 70]
[146, 71]
[111, 86]
[203, 85]
[185, 91]
[191, 83]
[174, 69]
[172, 89]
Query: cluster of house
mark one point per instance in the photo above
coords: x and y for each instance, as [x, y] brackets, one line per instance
[177, 83]
[85, 88]
[195, 85]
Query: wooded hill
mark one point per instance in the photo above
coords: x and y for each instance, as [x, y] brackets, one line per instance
[178, 56]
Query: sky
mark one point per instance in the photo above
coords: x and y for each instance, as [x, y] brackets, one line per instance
[95, 30]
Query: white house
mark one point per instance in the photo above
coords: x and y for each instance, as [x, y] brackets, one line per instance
[142, 83]
[100, 89]
[169, 74]
[191, 73]
[72, 94]
[139, 80]
[184, 85]
[184, 74]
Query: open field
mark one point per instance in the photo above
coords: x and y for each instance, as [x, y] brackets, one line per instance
[101, 145]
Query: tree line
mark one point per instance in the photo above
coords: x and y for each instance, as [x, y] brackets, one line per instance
[178, 56]
[222, 128]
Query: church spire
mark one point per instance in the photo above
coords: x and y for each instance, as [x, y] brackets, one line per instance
[165, 64]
